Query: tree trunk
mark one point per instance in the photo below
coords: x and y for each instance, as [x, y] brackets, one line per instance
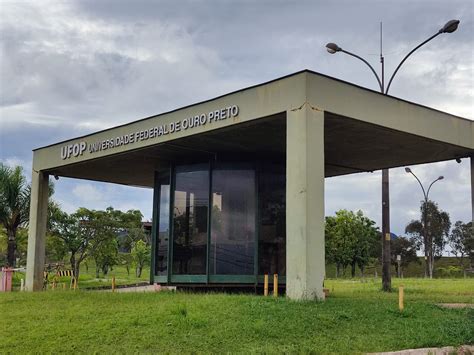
[72, 261]
[97, 271]
[74, 265]
[431, 261]
[139, 271]
[76, 270]
[427, 268]
[353, 269]
[11, 260]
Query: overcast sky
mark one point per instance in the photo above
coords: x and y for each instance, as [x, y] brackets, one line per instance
[70, 68]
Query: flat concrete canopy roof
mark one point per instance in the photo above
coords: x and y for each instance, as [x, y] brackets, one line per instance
[363, 131]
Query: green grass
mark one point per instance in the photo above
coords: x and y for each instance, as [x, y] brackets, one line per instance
[356, 318]
[87, 277]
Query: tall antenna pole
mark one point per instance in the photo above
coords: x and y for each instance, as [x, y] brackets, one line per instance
[386, 236]
[381, 57]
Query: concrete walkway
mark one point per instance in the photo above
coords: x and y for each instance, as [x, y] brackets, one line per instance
[447, 350]
[456, 305]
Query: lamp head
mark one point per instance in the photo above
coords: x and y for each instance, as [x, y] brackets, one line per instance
[450, 26]
[333, 48]
[441, 177]
[408, 170]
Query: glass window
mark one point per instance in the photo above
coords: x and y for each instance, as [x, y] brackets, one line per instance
[272, 233]
[232, 221]
[191, 200]
[163, 224]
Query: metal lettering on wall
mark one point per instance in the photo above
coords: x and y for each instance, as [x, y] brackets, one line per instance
[77, 149]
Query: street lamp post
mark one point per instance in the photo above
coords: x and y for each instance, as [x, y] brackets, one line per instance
[332, 48]
[426, 226]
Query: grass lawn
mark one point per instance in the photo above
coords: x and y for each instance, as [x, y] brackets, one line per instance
[87, 278]
[356, 318]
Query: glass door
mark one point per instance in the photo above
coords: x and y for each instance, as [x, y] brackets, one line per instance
[190, 222]
[161, 225]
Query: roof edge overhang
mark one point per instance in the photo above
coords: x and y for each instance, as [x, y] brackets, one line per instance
[249, 88]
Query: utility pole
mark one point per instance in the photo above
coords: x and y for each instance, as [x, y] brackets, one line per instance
[332, 48]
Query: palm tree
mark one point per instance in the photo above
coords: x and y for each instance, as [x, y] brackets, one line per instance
[14, 205]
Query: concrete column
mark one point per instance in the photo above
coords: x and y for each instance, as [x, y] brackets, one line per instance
[305, 266]
[37, 231]
[472, 191]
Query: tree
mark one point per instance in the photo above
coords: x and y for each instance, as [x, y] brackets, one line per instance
[406, 248]
[14, 205]
[90, 233]
[367, 238]
[129, 225]
[461, 241]
[125, 259]
[82, 232]
[350, 240]
[430, 233]
[105, 256]
[140, 256]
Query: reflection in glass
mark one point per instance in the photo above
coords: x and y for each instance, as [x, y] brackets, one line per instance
[163, 224]
[232, 221]
[191, 199]
[272, 233]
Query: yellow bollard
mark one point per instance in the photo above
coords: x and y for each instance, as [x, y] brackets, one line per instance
[400, 298]
[275, 285]
[73, 284]
[113, 284]
[265, 285]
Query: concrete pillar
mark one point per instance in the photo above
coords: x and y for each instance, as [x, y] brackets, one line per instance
[472, 191]
[37, 231]
[305, 266]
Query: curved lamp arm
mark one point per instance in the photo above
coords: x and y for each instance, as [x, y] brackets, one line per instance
[424, 192]
[368, 64]
[428, 192]
[406, 57]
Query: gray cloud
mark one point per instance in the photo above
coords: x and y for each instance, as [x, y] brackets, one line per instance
[70, 68]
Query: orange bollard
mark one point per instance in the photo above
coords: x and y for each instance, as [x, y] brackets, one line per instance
[275, 285]
[265, 285]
